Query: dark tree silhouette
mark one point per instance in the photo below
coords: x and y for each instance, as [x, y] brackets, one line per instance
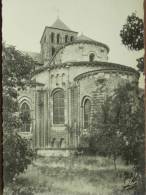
[132, 35]
[17, 70]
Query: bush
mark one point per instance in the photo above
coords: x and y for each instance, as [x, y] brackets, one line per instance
[16, 155]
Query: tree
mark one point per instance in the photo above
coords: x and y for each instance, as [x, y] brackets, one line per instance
[113, 116]
[121, 132]
[17, 70]
[132, 35]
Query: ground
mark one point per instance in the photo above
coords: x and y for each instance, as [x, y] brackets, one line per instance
[82, 175]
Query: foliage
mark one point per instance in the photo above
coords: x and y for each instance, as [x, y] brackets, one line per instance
[17, 155]
[17, 70]
[122, 130]
[17, 67]
[86, 175]
[132, 35]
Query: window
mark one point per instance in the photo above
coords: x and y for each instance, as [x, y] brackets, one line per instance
[63, 78]
[52, 37]
[91, 57]
[53, 51]
[57, 79]
[25, 117]
[66, 38]
[87, 110]
[58, 107]
[58, 38]
[71, 38]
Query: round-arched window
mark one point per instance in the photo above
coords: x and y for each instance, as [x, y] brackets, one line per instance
[91, 57]
[87, 112]
[53, 51]
[71, 38]
[25, 117]
[58, 38]
[52, 37]
[58, 107]
[66, 38]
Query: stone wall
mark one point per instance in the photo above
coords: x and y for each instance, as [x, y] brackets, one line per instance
[79, 81]
[80, 52]
[97, 87]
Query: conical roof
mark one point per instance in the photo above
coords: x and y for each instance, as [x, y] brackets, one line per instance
[59, 24]
[83, 37]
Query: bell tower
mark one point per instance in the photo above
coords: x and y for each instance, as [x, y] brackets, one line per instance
[53, 37]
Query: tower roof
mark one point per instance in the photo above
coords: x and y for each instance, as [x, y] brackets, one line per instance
[83, 37]
[59, 24]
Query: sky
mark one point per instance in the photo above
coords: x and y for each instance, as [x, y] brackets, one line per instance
[24, 22]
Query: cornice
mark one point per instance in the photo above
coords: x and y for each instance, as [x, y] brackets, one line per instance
[105, 66]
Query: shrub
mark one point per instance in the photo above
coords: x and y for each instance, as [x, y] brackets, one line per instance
[16, 155]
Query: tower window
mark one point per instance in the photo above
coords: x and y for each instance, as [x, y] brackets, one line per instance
[71, 38]
[91, 57]
[87, 110]
[58, 107]
[25, 117]
[52, 37]
[58, 38]
[53, 51]
[66, 38]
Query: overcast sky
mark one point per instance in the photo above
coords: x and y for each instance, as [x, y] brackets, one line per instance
[102, 20]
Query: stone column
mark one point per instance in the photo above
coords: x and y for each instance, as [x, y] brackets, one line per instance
[37, 119]
[41, 119]
[45, 119]
[79, 116]
[33, 116]
[49, 110]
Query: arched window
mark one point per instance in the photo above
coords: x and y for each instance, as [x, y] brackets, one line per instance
[66, 38]
[53, 51]
[91, 57]
[25, 117]
[52, 37]
[58, 38]
[87, 111]
[71, 38]
[58, 107]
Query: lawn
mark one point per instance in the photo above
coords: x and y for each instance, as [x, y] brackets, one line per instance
[83, 175]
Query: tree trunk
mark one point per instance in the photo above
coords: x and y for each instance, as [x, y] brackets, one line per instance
[115, 166]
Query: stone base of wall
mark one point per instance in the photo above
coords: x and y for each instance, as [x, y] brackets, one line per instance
[54, 152]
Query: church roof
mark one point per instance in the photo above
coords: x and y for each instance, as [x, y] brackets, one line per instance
[84, 37]
[60, 25]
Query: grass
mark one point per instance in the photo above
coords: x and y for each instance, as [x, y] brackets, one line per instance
[84, 175]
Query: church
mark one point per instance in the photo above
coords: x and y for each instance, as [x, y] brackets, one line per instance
[71, 72]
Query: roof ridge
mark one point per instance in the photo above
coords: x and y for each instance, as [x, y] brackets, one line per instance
[60, 24]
